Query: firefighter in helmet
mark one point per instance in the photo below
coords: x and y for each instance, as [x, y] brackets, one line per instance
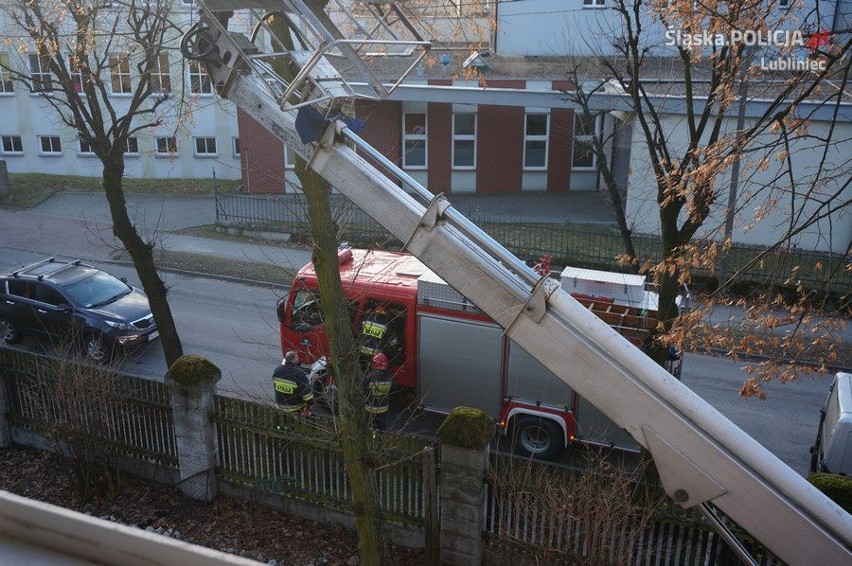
[292, 389]
[377, 387]
[379, 336]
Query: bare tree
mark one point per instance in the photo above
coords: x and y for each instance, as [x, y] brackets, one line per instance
[694, 152]
[81, 54]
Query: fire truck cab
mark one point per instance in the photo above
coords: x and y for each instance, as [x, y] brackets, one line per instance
[451, 354]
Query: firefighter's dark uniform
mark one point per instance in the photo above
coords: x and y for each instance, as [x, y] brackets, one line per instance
[292, 390]
[377, 387]
[377, 335]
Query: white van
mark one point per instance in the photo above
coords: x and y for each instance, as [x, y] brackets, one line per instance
[832, 452]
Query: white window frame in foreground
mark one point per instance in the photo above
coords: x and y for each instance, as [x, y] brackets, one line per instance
[199, 80]
[594, 3]
[466, 137]
[6, 85]
[205, 146]
[165, 146]
[582, 137]
[40, 78]
[119, 73]
[161, 78]
[289, 158]
[412, 137]
[86, 149]
[535, 138]
[54, 145]
[132, 147]
[235, 146]
[8, 145]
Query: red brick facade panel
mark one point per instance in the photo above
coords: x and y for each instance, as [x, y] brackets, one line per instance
[439, 146]
[499, 149]
[261, 157]
[384, 128]
[559, 150]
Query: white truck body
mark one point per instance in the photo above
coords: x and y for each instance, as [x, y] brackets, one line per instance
[832, 452]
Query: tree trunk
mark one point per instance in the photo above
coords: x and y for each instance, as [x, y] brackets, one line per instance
[347, 371]
[668, 279]
[142, 255]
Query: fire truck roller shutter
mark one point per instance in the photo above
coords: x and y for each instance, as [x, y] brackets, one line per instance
[459, 363]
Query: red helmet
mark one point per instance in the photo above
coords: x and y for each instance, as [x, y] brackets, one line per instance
[380, 361]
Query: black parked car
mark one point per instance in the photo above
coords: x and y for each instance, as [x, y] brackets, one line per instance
[72, 300]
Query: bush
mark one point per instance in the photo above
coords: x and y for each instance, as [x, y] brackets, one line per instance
[837, 488]
[466, 427]
[191, 369]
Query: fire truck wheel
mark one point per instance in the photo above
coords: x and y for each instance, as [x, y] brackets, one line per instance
[536, 437]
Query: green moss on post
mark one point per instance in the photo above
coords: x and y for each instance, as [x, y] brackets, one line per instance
[192, 370]
[466, 427]
[837, 488]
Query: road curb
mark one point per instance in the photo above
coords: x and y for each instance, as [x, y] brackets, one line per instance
[204, 275]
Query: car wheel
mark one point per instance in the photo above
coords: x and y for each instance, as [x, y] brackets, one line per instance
[537, 437]
[96, 349]
[9, 332]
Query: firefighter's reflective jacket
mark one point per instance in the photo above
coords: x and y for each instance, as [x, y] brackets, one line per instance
[377, 386]
[292, 390]
[377, 335]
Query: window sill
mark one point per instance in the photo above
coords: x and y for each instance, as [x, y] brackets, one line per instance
[12, 153]
[206, 155]
[42, 154]
[591, 169]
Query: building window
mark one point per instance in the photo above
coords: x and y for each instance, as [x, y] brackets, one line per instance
[535, 141]
[86, 149]
[594, 3]
[205, 147]
[289, 158]
[40, 73]
[783, 3]
[5, 82]
[119, 68]
[74, 69]
[132, 147]
[464, 140]
[585, 128]
[235, 146]
[161, 80]
[12, 144]
[165, 146]
[50, 145]
[199, 80]
[414, 139]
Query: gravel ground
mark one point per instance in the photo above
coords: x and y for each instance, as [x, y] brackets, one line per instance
[228, 524]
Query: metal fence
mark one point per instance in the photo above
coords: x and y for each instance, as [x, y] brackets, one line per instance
[579, 245]
[264, 448]
[138, 414]
[565, 516]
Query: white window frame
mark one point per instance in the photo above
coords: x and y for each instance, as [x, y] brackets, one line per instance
[53, 151]
[85, 149]
[11, 138]
[537, 138]
[206, 140]
[170, 152]
[7, 86]
[415, 137]
[117, 73]
[585, 138]
[76, 75]
[195, 71]
[464, 137]
[44, 76]
[235, 146]
[135, 144]
[289, 158]
[159, 72]
[594, 3]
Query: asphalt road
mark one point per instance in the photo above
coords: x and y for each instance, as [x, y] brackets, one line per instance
[234, 325]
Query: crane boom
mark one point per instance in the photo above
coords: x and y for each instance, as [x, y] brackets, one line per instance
[701, 456]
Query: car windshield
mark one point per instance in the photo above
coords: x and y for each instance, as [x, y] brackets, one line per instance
[97, 290]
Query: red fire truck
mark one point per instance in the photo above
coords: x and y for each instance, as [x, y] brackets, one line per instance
[451, 354]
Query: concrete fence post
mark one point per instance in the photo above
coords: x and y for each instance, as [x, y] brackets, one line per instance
[464, 438]
[192, 380]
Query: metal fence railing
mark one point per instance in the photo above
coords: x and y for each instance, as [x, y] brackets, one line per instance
[579, 245]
